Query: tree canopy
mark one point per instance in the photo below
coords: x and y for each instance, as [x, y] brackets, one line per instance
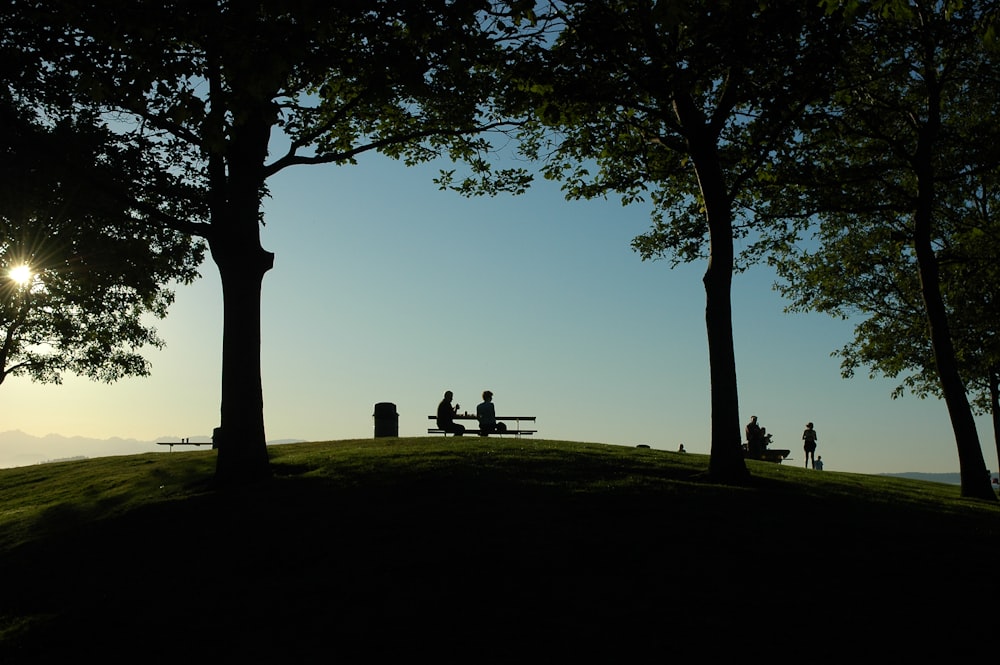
[688, 104]
[205, 86]
[893, 168]
[740, 122]
[93, 275]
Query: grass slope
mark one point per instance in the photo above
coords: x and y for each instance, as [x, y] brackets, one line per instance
[484, 550]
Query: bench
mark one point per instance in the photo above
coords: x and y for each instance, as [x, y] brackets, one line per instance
[183, 442]
[771, 455]
[516, 430]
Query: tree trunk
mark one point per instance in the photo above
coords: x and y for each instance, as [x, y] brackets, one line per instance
[236, 249]
[726, 462]
[974, 477]
[995, 407]
[240, 439]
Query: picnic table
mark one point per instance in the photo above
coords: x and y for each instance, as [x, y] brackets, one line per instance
[516, 431]
[183, 442]
[768, 454]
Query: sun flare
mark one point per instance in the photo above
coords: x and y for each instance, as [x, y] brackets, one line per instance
[21, 274]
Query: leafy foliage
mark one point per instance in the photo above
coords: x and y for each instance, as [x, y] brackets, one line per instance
[688, 104]
[71, 212]
[897, 157]
[629, 94]
[861, 178]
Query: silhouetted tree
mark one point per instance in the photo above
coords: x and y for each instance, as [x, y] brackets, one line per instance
[894, 167]
[210, 83]
[690, 101]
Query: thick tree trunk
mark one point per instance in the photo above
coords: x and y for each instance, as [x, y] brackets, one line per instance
[235, 245]
[240, 440]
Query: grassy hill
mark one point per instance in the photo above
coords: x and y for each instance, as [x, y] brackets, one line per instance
[474, 550]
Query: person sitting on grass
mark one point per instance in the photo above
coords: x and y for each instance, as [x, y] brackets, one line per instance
[446, 416]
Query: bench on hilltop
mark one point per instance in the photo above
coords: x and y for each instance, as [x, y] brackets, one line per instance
[183, 442]
[777, 455]
[516, 430]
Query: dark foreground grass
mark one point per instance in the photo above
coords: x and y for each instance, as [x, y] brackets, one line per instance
[472, 550]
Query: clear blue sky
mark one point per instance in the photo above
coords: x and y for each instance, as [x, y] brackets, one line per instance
[385, 289]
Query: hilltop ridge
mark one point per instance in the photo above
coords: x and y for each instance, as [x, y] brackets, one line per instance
[18, 448]
[367, 550]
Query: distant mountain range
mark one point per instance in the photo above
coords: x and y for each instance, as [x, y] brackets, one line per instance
[948, 478]
[20, 449]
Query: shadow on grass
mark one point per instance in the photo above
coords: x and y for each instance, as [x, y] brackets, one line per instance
[358, 551]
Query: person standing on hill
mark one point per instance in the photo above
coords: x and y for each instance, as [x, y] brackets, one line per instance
[446, 416]
[809, 437]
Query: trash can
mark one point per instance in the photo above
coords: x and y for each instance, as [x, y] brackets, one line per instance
[386, 420]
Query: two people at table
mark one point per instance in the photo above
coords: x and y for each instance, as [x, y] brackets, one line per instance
[757, 439]
[485, 414]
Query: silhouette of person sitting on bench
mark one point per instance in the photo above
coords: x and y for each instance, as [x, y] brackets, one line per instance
[487, 416]
[446, 416]
[756, 439]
